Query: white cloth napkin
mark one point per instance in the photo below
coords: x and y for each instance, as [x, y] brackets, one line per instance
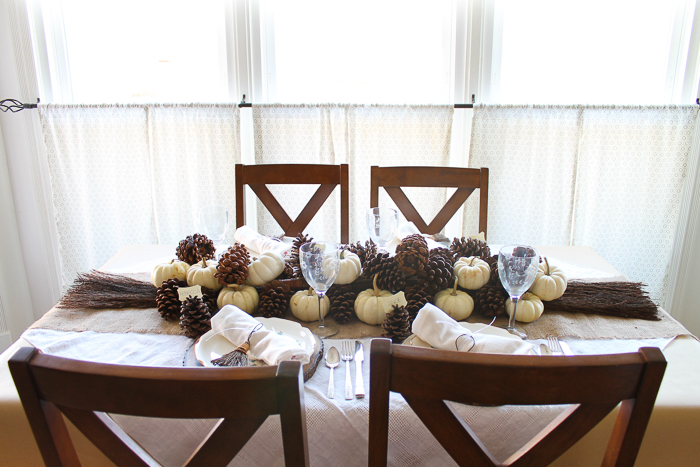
[436, 328]
[236, 325]
[258, 243]
[405, 229]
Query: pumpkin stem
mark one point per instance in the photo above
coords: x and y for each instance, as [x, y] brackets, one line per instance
[374, 284]
[454, 289]
[546, 266]
[311, 291]
[172, 261]
[204, 263]
[471, 263]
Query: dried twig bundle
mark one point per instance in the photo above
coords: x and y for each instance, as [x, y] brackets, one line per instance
[622, 299]
[97, 289]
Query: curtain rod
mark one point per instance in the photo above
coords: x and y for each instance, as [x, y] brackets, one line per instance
[243, 103]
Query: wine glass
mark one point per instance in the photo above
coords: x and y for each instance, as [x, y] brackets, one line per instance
[319, 263]
[517, 269]
[381, 225]
[213, 222]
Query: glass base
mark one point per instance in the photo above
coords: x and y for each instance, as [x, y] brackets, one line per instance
[327, 330]
[515, 332]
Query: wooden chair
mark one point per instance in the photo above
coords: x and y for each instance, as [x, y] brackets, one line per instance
[427, 378]
[465, 180]
[84, 391]
[328, 176]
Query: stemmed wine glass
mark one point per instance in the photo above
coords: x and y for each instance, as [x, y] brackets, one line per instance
[213, 222]
[381, 225]
[319, 263]
[517, 269]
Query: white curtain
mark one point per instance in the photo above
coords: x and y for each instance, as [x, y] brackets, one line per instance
[359, 135]
[606, 177]
[130, 174]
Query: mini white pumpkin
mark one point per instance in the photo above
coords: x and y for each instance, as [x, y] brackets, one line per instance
[304, 305]
[368, 304]
[550, 282]
[350, 267]
[472, 273]
[244, 297]
[530, 307]
[175, 269]
[202, 273]
[266, 268]
[457, 304]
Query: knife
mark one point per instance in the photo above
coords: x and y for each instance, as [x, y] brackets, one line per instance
[565, 348]
[359, 358]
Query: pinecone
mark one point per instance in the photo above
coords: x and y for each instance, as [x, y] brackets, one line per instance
[490, 300]
[195, 318]
[363, 251]
[412, 255]
[445, 253]
[167, 298]
[342, 300]
[416, 298]
[195, 248]
[294, 255]
[233, 265]
[288, 272]
[373, 263]
[274, 300]
[209, 296]
[396, 325]
[439, 272]
[386, 268]
[465, 247]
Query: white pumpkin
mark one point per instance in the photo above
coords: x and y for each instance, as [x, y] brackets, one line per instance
[244, 297]
[457, 304]
[266, 268]
[202, 273]
[173, 270]
[530, 307]
[472, 273]
[550, 282]
[304, 305]
[350, 267]
[368, 304]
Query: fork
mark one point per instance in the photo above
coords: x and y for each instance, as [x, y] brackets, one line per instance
[347, 354]
[554, 345]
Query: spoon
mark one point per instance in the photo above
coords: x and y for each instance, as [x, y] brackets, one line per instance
[332, 361]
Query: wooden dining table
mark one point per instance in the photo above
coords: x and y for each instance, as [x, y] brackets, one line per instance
[337, 427]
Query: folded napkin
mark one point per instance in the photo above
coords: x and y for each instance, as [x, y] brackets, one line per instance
[258, 243]
[236, 325]
[436, 328]
[405, 229]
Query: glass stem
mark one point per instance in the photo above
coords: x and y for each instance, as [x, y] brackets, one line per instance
[320, 315]
[511, 320]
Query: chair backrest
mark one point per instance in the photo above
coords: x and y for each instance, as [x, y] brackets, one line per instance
[243, 397]
[427, 378]
[465, 180]
[328, 176]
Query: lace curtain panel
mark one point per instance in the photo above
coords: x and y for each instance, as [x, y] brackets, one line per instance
[606, 177]
[359, 135]
[135, 174]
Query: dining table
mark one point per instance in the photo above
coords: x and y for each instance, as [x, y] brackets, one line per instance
[338, 427]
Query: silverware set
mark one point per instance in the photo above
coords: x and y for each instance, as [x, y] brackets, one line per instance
[555, 347]
[347, 354]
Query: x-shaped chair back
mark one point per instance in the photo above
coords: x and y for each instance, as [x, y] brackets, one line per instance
[426, 378]
[464, 179]
[328, 176]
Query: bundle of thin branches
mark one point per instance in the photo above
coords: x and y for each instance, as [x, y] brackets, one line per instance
[97, 289]
[622, 299]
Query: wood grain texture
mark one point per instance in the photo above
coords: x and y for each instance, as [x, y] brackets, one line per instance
[426, 378]
[50, 386]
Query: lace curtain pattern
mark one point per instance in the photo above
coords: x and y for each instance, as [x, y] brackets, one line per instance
[135, 174]
[360, 135]
[606, 177]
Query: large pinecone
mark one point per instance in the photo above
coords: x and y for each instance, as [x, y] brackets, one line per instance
[294, 255]
[490, 300]
[396, 325]
[288, 272]
[342, 300]
[439, 272]
[416, 298]
[274, 300]
[363, 251]
[210, 297]
[466, 247]
[412, 255]
[387, 269]
[167, 299]
[233, 265]
[195, 318]
[195, 248]
[373, 264]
